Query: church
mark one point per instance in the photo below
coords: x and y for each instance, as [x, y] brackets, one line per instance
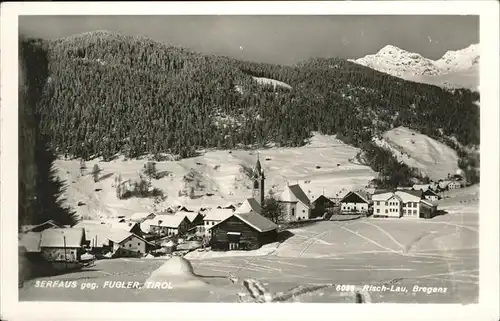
[296, 205]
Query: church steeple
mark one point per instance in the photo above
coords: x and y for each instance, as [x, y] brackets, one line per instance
[258, 182]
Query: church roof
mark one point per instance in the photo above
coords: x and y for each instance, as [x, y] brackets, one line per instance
[257, 172]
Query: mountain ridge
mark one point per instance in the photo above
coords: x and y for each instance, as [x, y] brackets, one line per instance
[108, 94]
[414, 67]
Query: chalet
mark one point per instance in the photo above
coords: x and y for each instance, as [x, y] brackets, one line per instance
[39, 227]
[62, 244]
[141, 217]
[320, 205]
[243, 231]
[250, 205]
[455, 185]
[195, 221]
[410, 203]
[355, 201]
[184, 209]
[214, 216]
[387, 204]
[296, 204]
[118, 242]
[168, 224]
[430, 195]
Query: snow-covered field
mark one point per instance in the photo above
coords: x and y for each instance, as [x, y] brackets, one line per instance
[420, 151]
[437, 253]
[321, 166]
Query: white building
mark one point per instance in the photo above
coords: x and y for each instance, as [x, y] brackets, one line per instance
[215, 216]
[355, 202]
[410, 202]
[296, 204]
[387, 204]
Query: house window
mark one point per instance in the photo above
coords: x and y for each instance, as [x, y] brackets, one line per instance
[415, 204]
[213, 223]
[138, 244]
[378, 202]
[293, 211]
[378, 210]
[129, 245]
[385, 211]
[414, 212]
[303, 211]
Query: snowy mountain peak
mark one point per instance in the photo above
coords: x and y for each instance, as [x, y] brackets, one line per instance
[459, 60]
[397, 62]
[408, 65]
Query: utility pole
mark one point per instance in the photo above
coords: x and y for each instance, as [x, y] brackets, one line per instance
[65, 258]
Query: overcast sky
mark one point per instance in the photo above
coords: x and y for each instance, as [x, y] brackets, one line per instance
[277, 39]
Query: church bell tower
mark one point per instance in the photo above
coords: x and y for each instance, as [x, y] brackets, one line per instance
[258, 183]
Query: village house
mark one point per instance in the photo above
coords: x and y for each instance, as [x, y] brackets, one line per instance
[214, 216]
[321, 205]
[407, 203]
[62, 244]
[113, 242]
[39, 227]
[169, 225]
[195, 221]
[427, 209]
[355, 202]
[410, 202]
[455, 185]
[243, 231]
[296, 204]
[387, 204]
[141, 217]
[430, 195]
[250, 205]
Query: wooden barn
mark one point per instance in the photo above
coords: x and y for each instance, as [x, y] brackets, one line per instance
[321, 205]
[243, 231]
[62, 244]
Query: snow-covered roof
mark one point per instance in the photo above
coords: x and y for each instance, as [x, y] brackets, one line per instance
[190, 215]
[168, 220]
[249, 205]
[218, 214]
[39, 227]
[257, 221]
[294, 193]
[127, 226]
[254, 220]
[385, 196]
[62, 237]
[422, 187]
[428, 203]
[140, 216]
[409, 196]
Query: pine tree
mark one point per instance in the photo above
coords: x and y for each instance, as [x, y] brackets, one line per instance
[95, 172]
[150, 170]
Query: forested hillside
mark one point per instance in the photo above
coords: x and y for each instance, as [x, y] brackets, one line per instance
[106, 94]
[39, 187]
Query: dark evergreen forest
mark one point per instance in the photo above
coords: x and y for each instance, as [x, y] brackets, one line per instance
[105, 94]
[39, 187]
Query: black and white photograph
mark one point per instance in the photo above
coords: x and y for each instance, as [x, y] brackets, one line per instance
[251, 158]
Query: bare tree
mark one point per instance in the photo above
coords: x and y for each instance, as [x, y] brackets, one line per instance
[273, 209]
